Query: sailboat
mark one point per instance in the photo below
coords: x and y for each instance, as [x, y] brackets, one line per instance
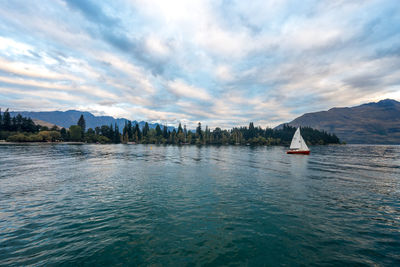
[298, 145]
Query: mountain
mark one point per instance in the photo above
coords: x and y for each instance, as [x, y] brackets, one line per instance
[71, 117]
[372, 123]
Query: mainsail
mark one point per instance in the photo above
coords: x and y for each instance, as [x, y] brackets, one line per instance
[298, 142]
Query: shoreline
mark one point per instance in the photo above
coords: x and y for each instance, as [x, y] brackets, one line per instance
[3, 142]
[83, 143]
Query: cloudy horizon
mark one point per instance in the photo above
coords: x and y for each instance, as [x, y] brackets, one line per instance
[223, 63]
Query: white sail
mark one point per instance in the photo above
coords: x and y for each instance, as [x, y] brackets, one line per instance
[298, 142]
[303, 145]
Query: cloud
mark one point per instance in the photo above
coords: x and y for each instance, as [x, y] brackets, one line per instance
[31, 70]
[44, 94]
[181, 89]
[222, 63]
[224, 73]
[155, 46]
[92, 11]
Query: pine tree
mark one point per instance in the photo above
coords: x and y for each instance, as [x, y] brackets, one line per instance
[110, 133]
[82, 124]
[173, 137]
[117, 136]
[125, 131]
[199, 134]
[165, 132]
[125, 138]
[138, 133]
[185, 132]
[146, 129]
[130, 130]
[158, 131]
[6, 121]
[252, 131]
[13, 124]
[206, 135]
[18, 124]
[63, 133]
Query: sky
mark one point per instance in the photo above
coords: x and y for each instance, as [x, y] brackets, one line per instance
[222, 63]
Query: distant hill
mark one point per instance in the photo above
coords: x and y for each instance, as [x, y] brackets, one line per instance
[372, 123]
[45, 123]
[71, 117]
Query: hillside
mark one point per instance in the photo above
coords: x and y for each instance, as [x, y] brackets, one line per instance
[45, 123]
[372, 123]
[71, 117]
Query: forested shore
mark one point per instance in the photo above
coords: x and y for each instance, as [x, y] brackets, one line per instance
[22, 129]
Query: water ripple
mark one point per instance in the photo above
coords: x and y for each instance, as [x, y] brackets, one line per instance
[169, 205]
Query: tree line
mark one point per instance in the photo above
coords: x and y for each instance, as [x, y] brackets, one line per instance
[17, 123]
[21, 129]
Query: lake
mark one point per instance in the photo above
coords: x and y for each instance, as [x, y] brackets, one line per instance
[186, 205]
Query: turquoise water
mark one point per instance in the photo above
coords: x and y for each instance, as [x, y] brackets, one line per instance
[168, 205]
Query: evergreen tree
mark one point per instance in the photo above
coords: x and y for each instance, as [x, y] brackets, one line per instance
[125, 130]
[106, 131]
[180, 137]
[198, 129]
[165, 132]
[6, 121]
[158, 131]
[90, 136]
[130, 130]
[64, 135]
[206, 135]
[185, 132]
[125, 138]
[217, 135]
[189, 138]
[252, 131]
[173, 137]
[117, 136]
[82, 124]
[13, 124]
[138, 133]
[111, 133]
[199, 134]
[25, 124]
[146, 129]
[18, 121]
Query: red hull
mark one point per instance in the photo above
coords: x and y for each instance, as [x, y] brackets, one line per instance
[298, 152]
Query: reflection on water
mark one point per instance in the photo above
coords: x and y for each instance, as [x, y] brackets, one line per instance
[170, 205]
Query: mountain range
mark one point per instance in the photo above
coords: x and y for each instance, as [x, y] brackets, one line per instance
[371, 123]
[71, 117]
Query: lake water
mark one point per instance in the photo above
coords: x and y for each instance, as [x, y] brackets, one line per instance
[168, 205]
